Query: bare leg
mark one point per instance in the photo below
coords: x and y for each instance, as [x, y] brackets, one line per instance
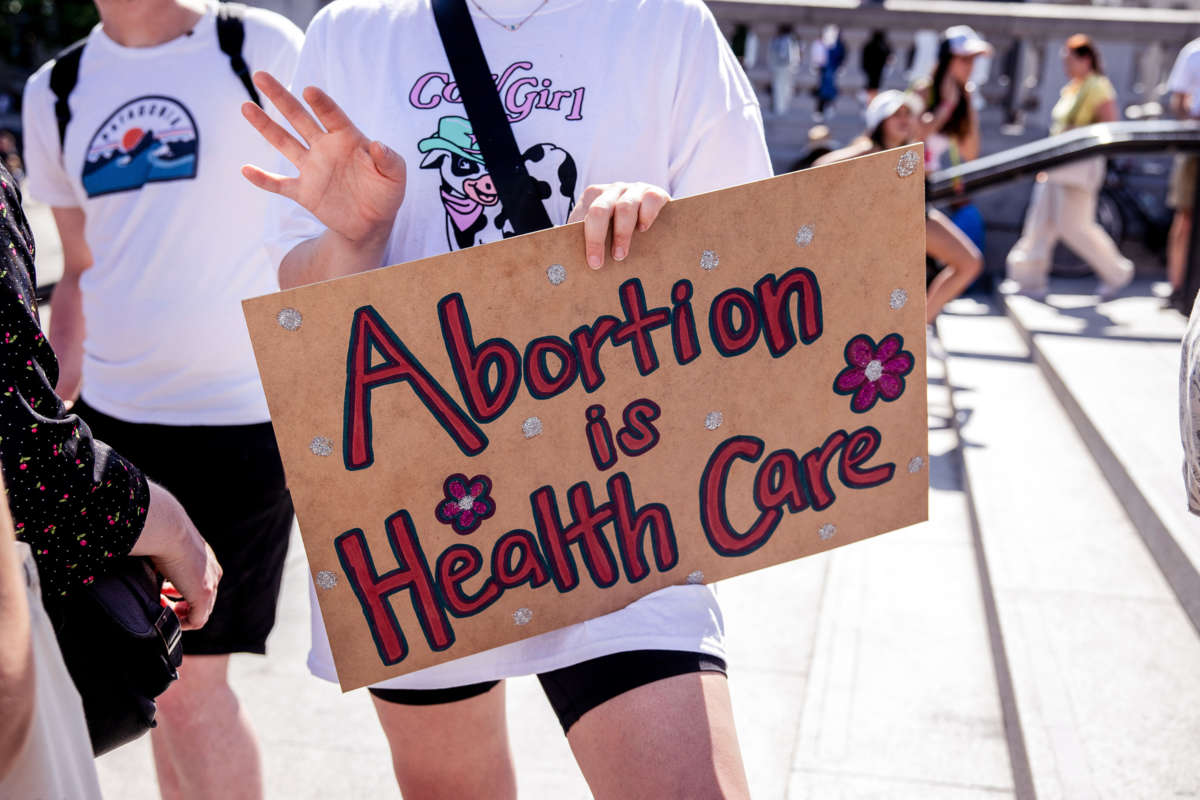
[949, 245]
[1028, 262]
[204, 746]
[673, 738]
[451, 750]
[1079, 229]
[1177, 245]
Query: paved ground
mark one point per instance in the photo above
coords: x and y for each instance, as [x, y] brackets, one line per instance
[870, 677]
[1022, 643]
[1100, 652]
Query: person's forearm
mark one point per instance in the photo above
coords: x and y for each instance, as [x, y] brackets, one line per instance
[171, 541]
[968, 147]
[166, 528]
[331, 255]
[1177, 105]
[16, 649]
[66, 335]
[932, 121]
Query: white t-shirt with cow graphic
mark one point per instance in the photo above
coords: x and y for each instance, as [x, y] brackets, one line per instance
[152, 156]
[597, 91]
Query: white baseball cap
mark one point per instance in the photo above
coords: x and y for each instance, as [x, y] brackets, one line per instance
[887, 103]
[964, 41]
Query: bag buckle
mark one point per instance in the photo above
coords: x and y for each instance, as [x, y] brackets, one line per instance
[176, 632]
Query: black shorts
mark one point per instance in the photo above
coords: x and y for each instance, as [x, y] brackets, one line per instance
[575, 690]
[230, 481]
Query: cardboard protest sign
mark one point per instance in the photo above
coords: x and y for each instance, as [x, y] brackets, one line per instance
[499, 442]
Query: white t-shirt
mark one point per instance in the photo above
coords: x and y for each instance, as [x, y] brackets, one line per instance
[152, 156]
[56, 760]
[597, 91]
[1185, 75]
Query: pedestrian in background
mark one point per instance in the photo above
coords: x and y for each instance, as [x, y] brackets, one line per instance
[161, 241]
[10, 155]
[744, 43]
[1063, 203]
[784, 54]
[1184, 88]
[891, 122]
[875, 57]
[950, 124]
[828, 53]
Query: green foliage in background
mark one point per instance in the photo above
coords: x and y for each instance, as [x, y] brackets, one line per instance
[33, 30]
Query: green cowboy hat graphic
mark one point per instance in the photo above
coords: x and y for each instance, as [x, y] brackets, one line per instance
[453, 134]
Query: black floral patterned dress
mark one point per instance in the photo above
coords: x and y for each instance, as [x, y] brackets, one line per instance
[78, 504]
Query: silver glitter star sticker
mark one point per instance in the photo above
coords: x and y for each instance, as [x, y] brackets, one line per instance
[289, 319]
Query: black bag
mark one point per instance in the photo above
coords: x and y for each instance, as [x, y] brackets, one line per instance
[123, 648]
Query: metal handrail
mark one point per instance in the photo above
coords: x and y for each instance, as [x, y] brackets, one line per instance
[1101, 139]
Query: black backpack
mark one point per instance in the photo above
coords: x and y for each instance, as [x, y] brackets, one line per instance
[231, 34]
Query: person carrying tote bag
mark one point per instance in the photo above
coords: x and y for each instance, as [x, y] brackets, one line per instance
[1063, 204]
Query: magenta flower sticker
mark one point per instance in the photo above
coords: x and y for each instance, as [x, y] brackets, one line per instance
[466, 504]
[874, 371]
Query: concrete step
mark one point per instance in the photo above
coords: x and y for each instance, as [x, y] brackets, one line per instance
[1102, 700]
[1115, 368]
[897, 694]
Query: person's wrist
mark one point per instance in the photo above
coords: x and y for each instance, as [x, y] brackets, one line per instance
[371, 241]
[167, 531]
[376, 236]
[187, 549]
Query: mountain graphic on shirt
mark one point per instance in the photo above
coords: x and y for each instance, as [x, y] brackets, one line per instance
[146, 140]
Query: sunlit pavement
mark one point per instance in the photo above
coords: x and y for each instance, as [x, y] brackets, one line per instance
[1033, 637]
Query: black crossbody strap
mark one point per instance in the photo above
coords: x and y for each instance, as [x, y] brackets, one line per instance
[63, 77]
[231, 35]
[488, 121]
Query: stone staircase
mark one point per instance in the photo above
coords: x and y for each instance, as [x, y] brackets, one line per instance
[1066, 419]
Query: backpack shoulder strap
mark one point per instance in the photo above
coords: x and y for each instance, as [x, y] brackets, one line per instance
[231, 35]
[63, 77]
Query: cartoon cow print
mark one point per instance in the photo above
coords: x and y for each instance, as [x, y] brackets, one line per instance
[474, 213]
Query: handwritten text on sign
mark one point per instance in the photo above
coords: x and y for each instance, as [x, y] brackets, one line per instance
[500, 442]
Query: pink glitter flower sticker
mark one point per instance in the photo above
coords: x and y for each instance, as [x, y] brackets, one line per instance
[874, 371]
[467, 503]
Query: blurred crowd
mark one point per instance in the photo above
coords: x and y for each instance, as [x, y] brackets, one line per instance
[941, 106]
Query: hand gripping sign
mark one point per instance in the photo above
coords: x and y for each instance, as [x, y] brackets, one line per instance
[499, 442]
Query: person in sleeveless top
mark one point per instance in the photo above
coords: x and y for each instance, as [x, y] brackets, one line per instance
[1063, 203]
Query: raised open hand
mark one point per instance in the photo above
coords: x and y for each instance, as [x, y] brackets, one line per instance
[352, 184]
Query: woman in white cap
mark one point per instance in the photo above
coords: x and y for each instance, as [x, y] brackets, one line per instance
[891, 122]
[1063, 203]
[950, 123]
